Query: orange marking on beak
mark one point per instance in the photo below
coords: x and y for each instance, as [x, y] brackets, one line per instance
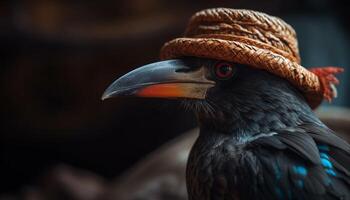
[165, 90]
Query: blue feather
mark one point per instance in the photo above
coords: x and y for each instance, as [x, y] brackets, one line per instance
[323, 155]
[300, 170]
[331, 172]
[326, 163]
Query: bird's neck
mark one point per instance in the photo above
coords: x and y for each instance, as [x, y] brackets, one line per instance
[264, 110]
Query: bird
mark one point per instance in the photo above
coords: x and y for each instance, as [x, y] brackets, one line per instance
[239, 71]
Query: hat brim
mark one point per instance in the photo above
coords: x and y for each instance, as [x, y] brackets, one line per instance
[233, 51]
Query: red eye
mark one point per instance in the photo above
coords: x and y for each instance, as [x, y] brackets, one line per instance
[224, 70]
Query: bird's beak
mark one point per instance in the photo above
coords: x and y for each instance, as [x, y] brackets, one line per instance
[167, 79]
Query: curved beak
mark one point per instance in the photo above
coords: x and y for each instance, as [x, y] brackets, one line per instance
[179, 78]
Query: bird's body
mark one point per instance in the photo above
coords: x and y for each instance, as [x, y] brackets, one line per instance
[270, 146]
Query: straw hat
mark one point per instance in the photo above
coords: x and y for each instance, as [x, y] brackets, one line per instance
[255, 39]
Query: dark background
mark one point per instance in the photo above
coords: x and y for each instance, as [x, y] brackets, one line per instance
[57, 57]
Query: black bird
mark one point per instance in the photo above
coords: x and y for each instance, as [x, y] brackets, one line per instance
[259, 139]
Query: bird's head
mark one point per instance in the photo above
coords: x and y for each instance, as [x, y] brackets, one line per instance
[216, 90]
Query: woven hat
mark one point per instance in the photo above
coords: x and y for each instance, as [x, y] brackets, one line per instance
[255, 39]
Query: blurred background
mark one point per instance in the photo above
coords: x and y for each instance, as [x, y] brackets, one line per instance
[57, 57]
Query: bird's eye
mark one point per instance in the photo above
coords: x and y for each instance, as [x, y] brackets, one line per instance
[224, 70]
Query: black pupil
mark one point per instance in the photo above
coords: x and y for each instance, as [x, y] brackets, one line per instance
[225, 70]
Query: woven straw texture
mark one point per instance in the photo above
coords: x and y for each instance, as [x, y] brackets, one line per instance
[251, 38]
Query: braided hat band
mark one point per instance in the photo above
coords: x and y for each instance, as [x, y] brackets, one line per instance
[255, 39]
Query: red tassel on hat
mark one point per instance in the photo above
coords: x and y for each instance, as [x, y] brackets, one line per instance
[327, 79]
